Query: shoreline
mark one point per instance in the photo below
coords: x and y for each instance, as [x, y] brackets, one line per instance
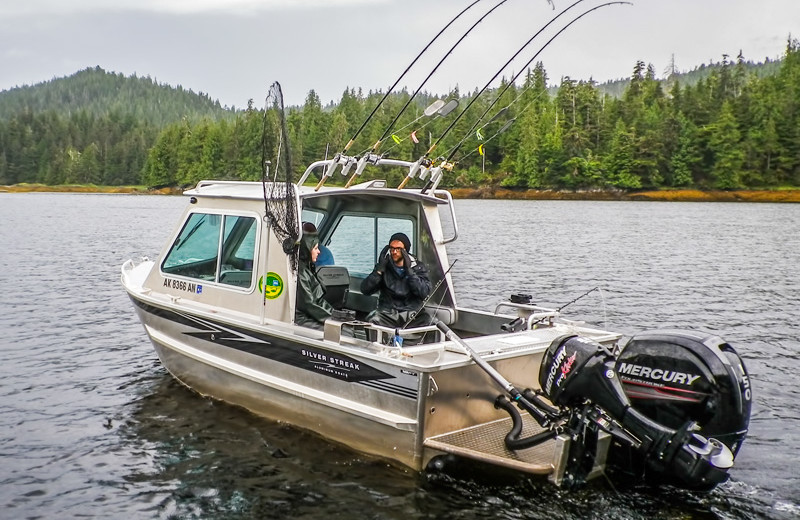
[673, 195]
[790, 195]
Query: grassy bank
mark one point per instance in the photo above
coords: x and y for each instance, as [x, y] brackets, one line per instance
[778, 195]
[85, 188]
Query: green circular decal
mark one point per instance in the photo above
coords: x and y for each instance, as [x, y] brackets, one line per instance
[273, 288]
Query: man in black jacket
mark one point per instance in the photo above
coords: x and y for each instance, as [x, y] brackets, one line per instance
[403, 283]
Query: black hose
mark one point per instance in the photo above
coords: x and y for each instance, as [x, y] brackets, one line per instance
[537, 401]
[512, 440]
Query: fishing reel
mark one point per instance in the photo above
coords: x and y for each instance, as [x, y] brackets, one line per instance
[579, 375]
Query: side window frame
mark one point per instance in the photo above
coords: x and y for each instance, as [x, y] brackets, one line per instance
[224, 215]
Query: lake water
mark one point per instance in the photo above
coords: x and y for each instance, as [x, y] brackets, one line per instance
[91, 425]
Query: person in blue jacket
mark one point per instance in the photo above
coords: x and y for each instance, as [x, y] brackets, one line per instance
[325, 256]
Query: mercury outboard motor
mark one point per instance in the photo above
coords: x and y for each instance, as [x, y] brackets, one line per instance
[677, 376]
[580, 374]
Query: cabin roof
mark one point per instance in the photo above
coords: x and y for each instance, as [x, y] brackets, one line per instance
[255, 191]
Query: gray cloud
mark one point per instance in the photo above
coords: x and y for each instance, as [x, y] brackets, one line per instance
[234, 54]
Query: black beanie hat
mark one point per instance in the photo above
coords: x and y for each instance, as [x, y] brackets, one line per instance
[402, 237]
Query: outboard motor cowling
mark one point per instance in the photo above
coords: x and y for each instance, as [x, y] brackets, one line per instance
[674, 377]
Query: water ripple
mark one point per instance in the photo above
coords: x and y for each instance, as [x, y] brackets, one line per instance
[92, 425]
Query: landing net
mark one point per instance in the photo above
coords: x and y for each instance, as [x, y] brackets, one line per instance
[280, 203]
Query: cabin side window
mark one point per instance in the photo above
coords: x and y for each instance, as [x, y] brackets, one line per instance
[358, 240]
[238, 251]
[214, 248]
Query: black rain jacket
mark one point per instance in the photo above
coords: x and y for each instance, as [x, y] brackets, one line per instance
[312, 307]
[404, 292]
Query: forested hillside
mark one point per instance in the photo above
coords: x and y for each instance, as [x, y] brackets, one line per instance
[99, 92]
[731, 125]
[93, 127]
[671, 74]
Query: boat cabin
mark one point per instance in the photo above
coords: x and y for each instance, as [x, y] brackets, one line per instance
[224, 239]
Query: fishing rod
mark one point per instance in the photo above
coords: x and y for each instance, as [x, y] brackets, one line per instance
[501, 69]
[374, 110]
[425, 163]
[524, 67]
[431, 73]
[348, 162]
[365, 158]
[333, 164]
[433, 291]
[445, 163]
[360, 161]
[587, 293]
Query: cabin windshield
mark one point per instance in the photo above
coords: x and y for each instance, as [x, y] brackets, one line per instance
[355, 228]
[358, 239]
[214, 248]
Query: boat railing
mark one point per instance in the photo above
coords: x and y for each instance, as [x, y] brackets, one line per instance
[381, 335]
[386, 335]
[446, 194]
[531, 313]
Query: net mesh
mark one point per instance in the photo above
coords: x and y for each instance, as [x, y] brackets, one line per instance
[280, 202]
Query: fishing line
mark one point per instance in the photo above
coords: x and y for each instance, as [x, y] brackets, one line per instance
[409, 124]
[436, 108]
[442, 112]
[488, 140]
[494, 117]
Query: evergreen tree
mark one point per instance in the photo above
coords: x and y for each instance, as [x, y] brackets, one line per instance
[724, 145]
[618, 164]
[686, 156]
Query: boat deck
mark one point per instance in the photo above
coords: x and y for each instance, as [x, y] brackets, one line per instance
[485, 443]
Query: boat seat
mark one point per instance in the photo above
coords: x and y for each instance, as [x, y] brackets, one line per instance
[336, 280]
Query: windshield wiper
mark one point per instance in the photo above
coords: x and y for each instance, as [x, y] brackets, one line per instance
[191, 232]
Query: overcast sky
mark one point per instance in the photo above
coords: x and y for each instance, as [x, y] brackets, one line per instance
[234, 49]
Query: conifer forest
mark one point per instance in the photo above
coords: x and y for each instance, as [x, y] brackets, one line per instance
[736, 127]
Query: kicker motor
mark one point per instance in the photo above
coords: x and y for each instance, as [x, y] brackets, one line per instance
[670, 437]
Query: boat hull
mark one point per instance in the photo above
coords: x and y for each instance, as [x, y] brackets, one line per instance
[373, 403]
[373, 412]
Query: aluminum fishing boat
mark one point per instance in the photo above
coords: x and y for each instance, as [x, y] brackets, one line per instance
[521, 387]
